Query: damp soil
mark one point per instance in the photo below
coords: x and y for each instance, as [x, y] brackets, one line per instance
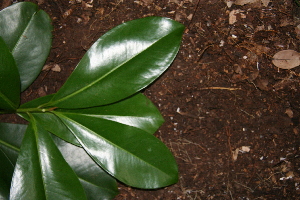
[231, 116]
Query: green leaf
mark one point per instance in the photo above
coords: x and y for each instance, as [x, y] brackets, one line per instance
[96, 182]
[10, 141]
[54, 125]
[9, 79]
[137, 111]
[47, 119]
[27, 33]
[41, 171]
[122, 62]
[130, 154]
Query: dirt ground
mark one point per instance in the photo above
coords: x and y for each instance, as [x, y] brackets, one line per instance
[232, 117]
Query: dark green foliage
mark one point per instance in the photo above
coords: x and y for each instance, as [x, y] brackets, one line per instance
[97, 128]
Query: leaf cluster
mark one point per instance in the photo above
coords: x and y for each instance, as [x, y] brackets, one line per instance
[96, 129]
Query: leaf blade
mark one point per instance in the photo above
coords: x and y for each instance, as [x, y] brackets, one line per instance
[95, 181]
[124, 150]
[122, 62]
[47, 121]
[41, 172]
[27, 32]
[137, 111]
[10, 142]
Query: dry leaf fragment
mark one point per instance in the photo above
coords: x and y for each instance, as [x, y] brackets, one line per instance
[67, 13]
[243, 149]
[243, 2]
[233, 15]
[86, 5]
[52, 66]
[47, 67]
[229, 3]
[286, 59]
[56, 68]
[297, 30]
[235, 154]
[289, 112]
[265, 2]
[148, 2]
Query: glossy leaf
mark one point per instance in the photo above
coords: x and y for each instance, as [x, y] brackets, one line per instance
[47, 119]
[41, 171]
[10, 141]
[96, 182]
[98, 185]
[137, 111]
[131, 155]
[9, 79]
[122, 62]
[54, 125]
[27, 33]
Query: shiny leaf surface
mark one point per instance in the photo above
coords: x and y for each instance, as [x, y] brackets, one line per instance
[96, 182]
[47, 120]
[122, 62]
[98, 185]
[9, 79]
[41, 171]
[10, 141]
[137, 111]
[27, 33]
[54, 125]
[130, 154]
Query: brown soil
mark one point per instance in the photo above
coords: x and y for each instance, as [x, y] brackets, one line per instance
[221, 94]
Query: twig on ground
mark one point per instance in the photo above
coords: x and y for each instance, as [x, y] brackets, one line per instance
[219, 88]
[189, 115]
[190, 142]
